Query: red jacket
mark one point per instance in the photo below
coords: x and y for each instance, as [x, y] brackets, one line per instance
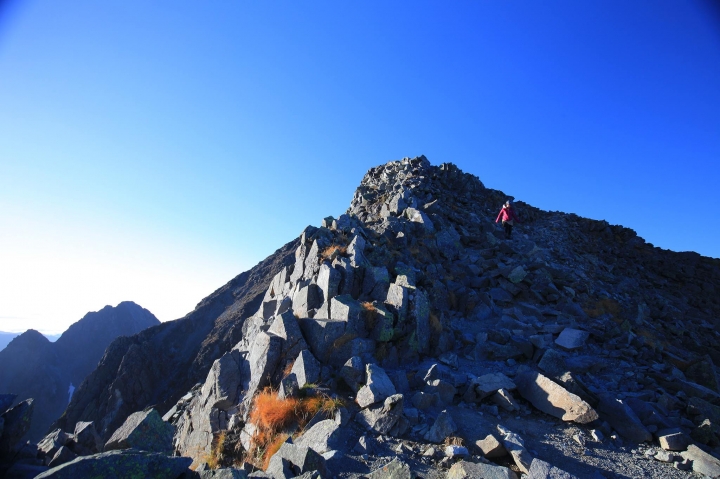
[507, 214]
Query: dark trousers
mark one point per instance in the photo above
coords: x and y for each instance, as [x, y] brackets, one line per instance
[508, 229]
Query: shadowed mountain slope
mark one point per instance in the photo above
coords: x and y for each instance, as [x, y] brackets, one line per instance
[33, 367]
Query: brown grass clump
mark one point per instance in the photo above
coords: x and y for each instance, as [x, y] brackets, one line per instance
[272, 413]
[453, 441]
[214, 459]
[333, 250]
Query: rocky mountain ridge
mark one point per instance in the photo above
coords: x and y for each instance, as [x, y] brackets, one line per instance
[33, 367]
[430, 346]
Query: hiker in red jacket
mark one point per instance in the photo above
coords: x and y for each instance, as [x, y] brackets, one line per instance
[508, 217]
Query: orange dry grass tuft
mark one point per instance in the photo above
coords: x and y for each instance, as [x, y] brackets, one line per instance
[273, 413]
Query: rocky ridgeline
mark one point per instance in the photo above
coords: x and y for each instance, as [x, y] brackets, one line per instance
[573, 350]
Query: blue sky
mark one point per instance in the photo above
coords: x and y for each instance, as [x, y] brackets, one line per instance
[150, 151]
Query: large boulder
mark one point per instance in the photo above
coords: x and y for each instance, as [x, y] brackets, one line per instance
[306, 369]
[544, 470]
[382, 418]
[553, 399]
[472, 470]
[443, 427]
[702, 462]
[378, 386]
[298, 459]
[129, 464]
[50, 444]
[395, 469]
[322, 437]
[623, 419]
[87, 439]
[144, 430]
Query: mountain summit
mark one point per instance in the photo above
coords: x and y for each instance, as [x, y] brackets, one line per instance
[415, 312]
[33, 367]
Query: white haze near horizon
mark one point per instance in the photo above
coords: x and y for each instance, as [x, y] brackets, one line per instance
[53, 272]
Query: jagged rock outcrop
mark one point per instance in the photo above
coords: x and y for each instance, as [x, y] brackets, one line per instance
[33, 367]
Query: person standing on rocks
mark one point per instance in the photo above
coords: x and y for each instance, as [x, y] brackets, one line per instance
[508, 217]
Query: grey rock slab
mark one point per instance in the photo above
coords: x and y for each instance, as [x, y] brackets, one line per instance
[324, 436]
[505, 400]
[306, 369]
[397, 300]
[417, 216]
[378, 386]
[443, 427]
[87, 436]
[262, 359]
[553, 363]
[553, 399]
[51, 443]
[287, 328]
[127, 463]
[544, 470]
[322, 335]
[489, 384]
[382, 320]
[673, 440]
[302, 459]
[443, 389]
[395, 469]
[490, 447]
[384, 417]
[353, 373]
[623, 419]
[144, 430]
[572, 338]
[517, 275]
[702, 462]
[223, 381]
[423, 400]
[376, 282]
[345, 308]
[223, 473]
[516, 447]
[305, 299]
[472, 470]
[328, 281]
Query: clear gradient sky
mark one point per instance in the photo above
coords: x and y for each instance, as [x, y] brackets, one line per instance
[151, 151]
